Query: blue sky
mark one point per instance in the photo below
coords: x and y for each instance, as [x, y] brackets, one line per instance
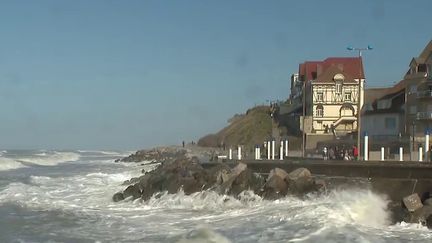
[133, 74]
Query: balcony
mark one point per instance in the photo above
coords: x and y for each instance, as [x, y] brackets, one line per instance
[424, 94]
[424, 115]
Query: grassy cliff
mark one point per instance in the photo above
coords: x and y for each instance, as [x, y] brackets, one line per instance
[248, 129]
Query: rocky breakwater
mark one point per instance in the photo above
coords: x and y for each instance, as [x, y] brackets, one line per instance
[157, 155]
[188, 175]
[417, 210]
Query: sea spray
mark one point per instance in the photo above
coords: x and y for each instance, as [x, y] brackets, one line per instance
[72, 202]
[9, 164]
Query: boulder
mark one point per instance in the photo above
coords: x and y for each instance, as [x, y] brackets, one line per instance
[299, 173]
[240, 167]
[182, 174]
[279, 172]
[228, 179]
[132, 190]
[118, 197]
[412, 202]
[300, 182]
[246, 180]
[421, 215]
[428, 202]
[275, 188]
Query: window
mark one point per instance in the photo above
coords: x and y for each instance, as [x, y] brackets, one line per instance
[413, 109]
[319, 96]
[319, 111]
[347, 96]
[390, 122]
[422, 68]
[412, 88]
[338, 87]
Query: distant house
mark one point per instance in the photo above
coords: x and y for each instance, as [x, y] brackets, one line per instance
[325, 96]
[333, 93]
[418, 91]
[406, 108]
[383, 115]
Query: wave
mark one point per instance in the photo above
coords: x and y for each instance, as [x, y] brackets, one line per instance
[50, 158]
[9, 164]
[355, 213]
[203, 235]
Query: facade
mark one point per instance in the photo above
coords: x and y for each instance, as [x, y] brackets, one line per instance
[383, 116]
[418, 94]
[333, 91]
[404, 110]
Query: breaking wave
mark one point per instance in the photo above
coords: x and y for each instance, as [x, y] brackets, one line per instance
[9, 164]
[50, 158]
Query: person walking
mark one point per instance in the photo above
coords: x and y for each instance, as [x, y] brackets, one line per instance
[355, 152]
[325, 156]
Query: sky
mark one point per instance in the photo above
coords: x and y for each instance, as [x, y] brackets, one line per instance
[135, 74]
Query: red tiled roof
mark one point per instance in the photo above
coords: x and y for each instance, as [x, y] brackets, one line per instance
[353, 66]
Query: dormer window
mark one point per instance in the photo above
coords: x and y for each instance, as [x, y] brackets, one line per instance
[338, 87]
[339, 78]
[422, 68]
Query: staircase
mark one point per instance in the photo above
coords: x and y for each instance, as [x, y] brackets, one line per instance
[275, 131]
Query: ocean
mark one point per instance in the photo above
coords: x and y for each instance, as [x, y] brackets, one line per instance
[66, 196]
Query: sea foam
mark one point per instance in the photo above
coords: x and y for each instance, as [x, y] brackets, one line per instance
[50, 158]
[9, 164]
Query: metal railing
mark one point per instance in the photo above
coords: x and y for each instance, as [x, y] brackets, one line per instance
[424, 115]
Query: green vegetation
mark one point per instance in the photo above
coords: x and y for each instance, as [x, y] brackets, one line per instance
[248, 129]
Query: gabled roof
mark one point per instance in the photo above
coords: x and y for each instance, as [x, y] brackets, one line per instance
[330, 72]
[426, 51]
[348, 66]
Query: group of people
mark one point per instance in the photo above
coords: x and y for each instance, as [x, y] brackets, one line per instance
[340, 153]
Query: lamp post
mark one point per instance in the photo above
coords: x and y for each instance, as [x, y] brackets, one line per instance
[350, 48]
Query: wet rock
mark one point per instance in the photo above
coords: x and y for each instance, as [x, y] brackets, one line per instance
[300, 182]
[279, 172]
[412, 202]
[275, 188]
[421, 215]
[162, 154]
[428, 202]
[118, 197]
[246, 180]
[131, 181]
[132, 190]
[227, 179]
[182, 174]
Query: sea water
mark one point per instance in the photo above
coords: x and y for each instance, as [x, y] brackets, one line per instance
[66, 196]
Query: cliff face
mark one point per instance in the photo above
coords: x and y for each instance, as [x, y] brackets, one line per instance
[248, 129]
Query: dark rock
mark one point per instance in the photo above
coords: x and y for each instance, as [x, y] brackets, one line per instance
[182, 174]
[118, 197]
[279, 172]
[226, 179]
[218, 174]
[246, 180]
[132, 190]
[131, 181]
[422, 215]
[428, 202]
[275, 188]
[300, 182]
[162, 154]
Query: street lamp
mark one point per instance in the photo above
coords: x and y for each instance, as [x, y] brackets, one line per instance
[368, 48]
[350, 48]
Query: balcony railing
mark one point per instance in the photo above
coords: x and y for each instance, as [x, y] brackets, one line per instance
[424, 115]
[424, 94]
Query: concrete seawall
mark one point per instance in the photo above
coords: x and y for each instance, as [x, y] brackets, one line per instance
[395, 179]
